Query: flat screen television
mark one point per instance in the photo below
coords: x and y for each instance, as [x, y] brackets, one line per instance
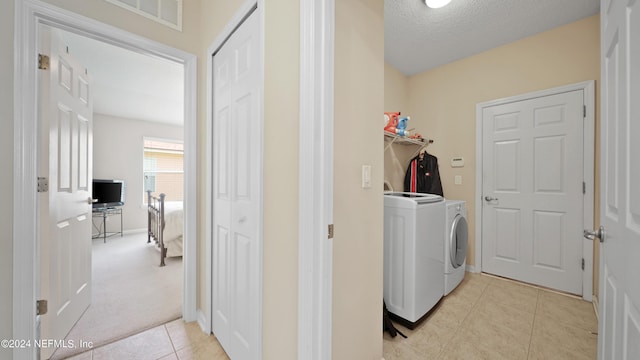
[107, 193]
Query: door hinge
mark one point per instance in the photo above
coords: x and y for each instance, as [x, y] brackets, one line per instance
[583, 264]
[43, 184]
[43, 62]
[42, 307]
[584, 187]
[584, 111]
[330, 231]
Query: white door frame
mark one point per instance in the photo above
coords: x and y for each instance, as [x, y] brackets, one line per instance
[588, 172]
[28, 15]
[315, 213]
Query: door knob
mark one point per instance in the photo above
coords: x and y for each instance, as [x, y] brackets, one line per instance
[489, 198]
[592, 234]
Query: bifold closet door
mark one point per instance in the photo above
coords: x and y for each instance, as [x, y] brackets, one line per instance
[237, 166]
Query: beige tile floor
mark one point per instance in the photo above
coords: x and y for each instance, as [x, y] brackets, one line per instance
[492, 318]
[172, 341]
[484, 318]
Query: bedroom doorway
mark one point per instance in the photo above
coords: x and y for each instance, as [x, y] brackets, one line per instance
[29, 16]
[130, 293]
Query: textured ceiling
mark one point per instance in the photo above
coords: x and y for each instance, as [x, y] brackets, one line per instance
[418, 38]
[128, 84]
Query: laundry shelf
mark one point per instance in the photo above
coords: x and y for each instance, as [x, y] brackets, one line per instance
[403, 140]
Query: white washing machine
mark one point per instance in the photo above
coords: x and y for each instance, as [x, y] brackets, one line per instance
[413, 254]
[455, 244]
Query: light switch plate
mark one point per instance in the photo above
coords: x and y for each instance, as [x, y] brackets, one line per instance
[366, 176]
[457, 180]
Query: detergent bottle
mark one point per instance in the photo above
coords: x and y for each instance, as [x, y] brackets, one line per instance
[401, 128]
[391, 121]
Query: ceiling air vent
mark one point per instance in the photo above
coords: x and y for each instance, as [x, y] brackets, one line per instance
[166, 12]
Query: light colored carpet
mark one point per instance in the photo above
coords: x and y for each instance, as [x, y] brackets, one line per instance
[131, 292]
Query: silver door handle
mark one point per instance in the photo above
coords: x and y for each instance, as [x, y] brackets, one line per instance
[592, 234]
[91, 201]
[489, 198]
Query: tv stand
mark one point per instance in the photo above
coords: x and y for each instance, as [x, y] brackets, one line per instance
[104, 213]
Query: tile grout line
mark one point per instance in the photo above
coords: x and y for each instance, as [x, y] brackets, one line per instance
[533, 324]
[459, 327]
[175, 352]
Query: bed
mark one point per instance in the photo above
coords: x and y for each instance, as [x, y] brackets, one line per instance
[165, 225]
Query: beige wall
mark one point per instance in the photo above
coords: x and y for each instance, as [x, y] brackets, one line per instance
[396, 98]
[358, 213]
[396, 90]
[6, 176]
[443, 100]
[282, 79]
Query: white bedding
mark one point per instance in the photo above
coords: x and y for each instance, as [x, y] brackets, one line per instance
[173, 224]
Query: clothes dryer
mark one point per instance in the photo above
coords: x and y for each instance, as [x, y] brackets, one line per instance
[413, 254]
[455, 244]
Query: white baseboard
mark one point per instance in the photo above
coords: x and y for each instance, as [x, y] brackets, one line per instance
[202, 321]
[135, 231]
[124, 232]
[129, 232]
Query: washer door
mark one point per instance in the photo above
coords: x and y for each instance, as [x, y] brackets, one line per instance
[458, 241]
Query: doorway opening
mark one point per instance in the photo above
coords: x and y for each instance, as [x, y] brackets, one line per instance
[26, 237]
[138, 102]
[535, 180]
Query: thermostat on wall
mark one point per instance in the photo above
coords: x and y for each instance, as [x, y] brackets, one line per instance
[457, 162]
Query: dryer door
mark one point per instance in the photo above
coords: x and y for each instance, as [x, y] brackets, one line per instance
[458, 241]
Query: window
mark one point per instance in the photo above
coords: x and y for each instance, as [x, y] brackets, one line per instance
[167, 12]
[163, 169]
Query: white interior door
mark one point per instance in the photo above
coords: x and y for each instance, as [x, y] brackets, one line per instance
[619, 290]
[237, 193]
[66, 113]
[533, 190]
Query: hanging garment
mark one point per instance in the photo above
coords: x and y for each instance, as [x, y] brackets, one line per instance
[423, 175]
